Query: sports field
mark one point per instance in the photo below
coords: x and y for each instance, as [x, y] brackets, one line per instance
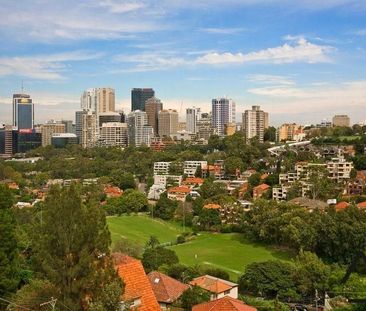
[140, 228]
[228, 251]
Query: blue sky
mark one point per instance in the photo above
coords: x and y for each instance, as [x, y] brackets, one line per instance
[302, 61]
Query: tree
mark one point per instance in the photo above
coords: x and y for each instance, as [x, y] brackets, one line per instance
[232, 164]
[270, 134]
[209, 218]
[311, 274]
[71, 246]
[153, 258]
[9, 278]
[193, 296]
[320, 185]
[254, 179]
[165, 208]
[132, 201]
[124, 180]
[210, 189]
[108, 298]
[268, 279]
[35, 293]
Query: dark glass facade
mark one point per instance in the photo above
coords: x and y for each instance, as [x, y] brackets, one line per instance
[62, 142]
[139, 97]
[26, 141]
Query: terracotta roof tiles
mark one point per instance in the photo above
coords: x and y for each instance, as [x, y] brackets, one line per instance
[224, 304]
[137, 285]
[166, 289]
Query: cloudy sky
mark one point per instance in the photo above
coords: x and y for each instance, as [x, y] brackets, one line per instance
[302, 61]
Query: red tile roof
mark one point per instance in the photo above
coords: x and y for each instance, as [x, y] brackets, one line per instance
[112, 191]
[193, 180]
[262, 187]
[166, 289]
[137, 284]
[212, 284]
[361, 205]
[180, 189]
[212, 206]
[341, 205]
[224, 304]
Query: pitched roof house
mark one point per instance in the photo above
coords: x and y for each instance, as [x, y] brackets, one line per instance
[166, 289]
[138, 294]
[223, 304]
[217, 287]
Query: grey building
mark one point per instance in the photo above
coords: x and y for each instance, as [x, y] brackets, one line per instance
[23, 112]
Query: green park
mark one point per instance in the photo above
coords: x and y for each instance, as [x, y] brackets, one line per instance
[228, 251]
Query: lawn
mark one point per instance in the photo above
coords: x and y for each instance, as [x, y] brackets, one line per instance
[228, 251]
[140, 228]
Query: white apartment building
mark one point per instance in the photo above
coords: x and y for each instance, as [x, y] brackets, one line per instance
[193, 115]
[161, 168]
[89, 136]
[162, 180]
[113, 134]
[138, 130]
[190, 167]
[254, 123]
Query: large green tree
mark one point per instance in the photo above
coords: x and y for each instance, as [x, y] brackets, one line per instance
[8, 244]
[71, 246]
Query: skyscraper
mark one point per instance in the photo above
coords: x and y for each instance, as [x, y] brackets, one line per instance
[98, 100]
[89, 137]
[221, 114]
[192, 116]
[232, 111]
[152, 107]
[139, 97]
[113, 134]
[254, 122]
[168, 122]
[138, 128]
[23, 112]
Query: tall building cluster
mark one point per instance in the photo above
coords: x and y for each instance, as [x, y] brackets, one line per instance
[99, 124]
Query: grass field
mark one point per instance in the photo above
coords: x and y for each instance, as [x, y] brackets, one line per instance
[229, 251]
[140, 228]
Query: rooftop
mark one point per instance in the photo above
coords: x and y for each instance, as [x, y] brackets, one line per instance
[212, 284]
[166, 289]
[224, 304]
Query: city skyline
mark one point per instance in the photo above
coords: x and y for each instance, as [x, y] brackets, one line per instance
[300, 62]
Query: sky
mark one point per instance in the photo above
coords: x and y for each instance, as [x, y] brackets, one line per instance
[302, 61]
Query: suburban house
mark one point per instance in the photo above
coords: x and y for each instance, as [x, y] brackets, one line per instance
[218, 288]
[225, 303]
[260, 190]
[230, 213]
[178, 193]
[341, 205]
[193, 182]
[112, 191]
[166, 289]
[138, 294]
[362, 205]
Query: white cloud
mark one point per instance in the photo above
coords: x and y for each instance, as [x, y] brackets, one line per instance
[361, 32]
[43, 67]
[270, 79]
[314, 101]
[301, 51]
[121, 6]
[222, 31]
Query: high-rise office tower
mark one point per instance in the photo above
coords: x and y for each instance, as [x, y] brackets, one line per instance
[220, 114]
[139, 97]
[254, 122]
[113, 134]
[79, 124]
[98, 100]
[89, 137]
[152, 107]
[69, 127]
[168, 122]
[50, 128]
[341, 120]
[232, 111]
[204, 127]
[136, 122]
[192, 116]
[23, 112]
